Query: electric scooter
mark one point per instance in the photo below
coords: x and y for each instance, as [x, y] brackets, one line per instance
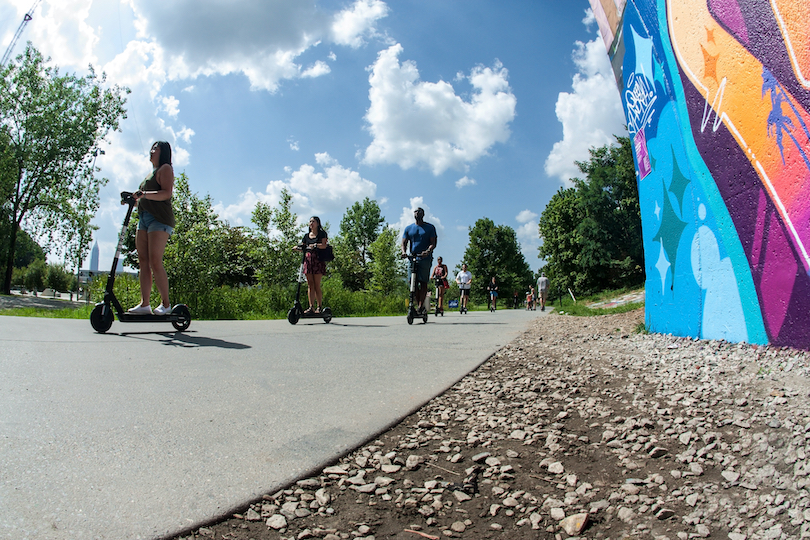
[297, 311]
[439, 306]
[413, 313]
[101, 318]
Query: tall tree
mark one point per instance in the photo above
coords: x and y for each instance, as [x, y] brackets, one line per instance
[281, 231]
[362, 223]
[387, 268]
[560, 247]
[592, 232]
[494, 250]
[52, 125]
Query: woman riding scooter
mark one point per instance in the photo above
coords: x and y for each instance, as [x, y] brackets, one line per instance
[314, 268]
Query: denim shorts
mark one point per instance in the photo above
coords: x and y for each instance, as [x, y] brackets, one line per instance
[148, 223]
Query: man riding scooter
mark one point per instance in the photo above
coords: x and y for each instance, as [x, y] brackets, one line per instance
[422, 239]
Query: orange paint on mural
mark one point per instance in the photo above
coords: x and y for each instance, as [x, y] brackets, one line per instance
[731, 81]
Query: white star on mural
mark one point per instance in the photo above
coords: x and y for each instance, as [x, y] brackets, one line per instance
[657, 210]
[662, 265]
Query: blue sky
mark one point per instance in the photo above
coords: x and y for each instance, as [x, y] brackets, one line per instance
[468, 108]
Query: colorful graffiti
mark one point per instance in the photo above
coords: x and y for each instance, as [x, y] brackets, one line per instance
[716, 95]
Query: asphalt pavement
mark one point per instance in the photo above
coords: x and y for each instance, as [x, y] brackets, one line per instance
[144, 432]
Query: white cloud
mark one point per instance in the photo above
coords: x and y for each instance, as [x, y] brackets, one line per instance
[328, 188]
[418, 123]
[171, 105]
[293, 144]
[590, 115]
[528, 236]
[262, 40]
[351, 26]
[526, 216]
[465, 181]
[406, 217]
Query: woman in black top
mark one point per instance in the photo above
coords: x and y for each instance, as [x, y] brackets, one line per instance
[314, 268]
[155, 225]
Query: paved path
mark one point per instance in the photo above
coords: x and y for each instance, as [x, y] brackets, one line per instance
[143, 432]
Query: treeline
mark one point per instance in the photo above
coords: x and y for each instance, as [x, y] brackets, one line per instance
[591, 232]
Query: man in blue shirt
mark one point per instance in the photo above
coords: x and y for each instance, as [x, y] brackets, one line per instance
[422, 238]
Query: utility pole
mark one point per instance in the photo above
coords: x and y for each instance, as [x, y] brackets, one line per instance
[26, 19]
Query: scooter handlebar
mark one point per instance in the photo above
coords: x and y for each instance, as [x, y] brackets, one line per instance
[128, 198]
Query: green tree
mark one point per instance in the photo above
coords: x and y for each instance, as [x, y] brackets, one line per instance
[592, 232]
[35, 273]
[52, 126]
[26, 250]
[560, 247]
[280, 229]
[494, 250]
[386, 267]
[58, 278]
[362, 223]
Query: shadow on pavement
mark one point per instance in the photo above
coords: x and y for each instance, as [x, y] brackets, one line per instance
[185, 339]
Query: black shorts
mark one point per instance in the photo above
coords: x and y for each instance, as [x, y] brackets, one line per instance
[464, 292]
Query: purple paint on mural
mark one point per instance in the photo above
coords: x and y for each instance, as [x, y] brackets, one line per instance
[729, 14]
[642, 156]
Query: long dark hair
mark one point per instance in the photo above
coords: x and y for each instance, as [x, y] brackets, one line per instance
[320, 229]
[165, 153]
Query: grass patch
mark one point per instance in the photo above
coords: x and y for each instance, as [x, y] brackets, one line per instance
[50, 313]
[581, 309]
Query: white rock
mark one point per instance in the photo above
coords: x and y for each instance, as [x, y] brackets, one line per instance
[556, 468]
[625, 514]
[574, 524]
[277, 521]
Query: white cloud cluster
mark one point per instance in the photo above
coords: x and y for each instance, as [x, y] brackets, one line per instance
[417, 123]
[465, 181]
[328, 188]
[262, 40]
[185, 39]
[351, 26]
[590, 115]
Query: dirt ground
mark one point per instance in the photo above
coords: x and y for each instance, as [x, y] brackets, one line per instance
[581, 427]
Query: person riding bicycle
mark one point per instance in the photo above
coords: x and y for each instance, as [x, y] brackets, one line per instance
[422, 238]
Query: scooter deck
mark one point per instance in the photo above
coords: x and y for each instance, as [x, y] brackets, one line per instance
[137, 317]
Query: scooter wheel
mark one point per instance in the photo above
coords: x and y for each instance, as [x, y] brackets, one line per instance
[183, 315]
[293, 316]
[410, 317]
[327, 314]
[425, 317]
[101, 318]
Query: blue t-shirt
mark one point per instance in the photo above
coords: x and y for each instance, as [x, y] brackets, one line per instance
[420, 236]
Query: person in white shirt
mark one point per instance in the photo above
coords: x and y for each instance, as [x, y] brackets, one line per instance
[463, 278]
[542, 290]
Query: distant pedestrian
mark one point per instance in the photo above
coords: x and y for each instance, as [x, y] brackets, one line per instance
[516, 301]
[492, 288]
[542, 289]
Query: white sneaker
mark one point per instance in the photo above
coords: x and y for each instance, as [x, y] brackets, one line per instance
[162, 310]
[140, 310]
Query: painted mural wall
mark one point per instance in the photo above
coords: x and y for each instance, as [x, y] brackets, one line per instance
[716, 94]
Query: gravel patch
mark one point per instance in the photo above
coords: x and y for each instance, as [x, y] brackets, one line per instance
[579, 428]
